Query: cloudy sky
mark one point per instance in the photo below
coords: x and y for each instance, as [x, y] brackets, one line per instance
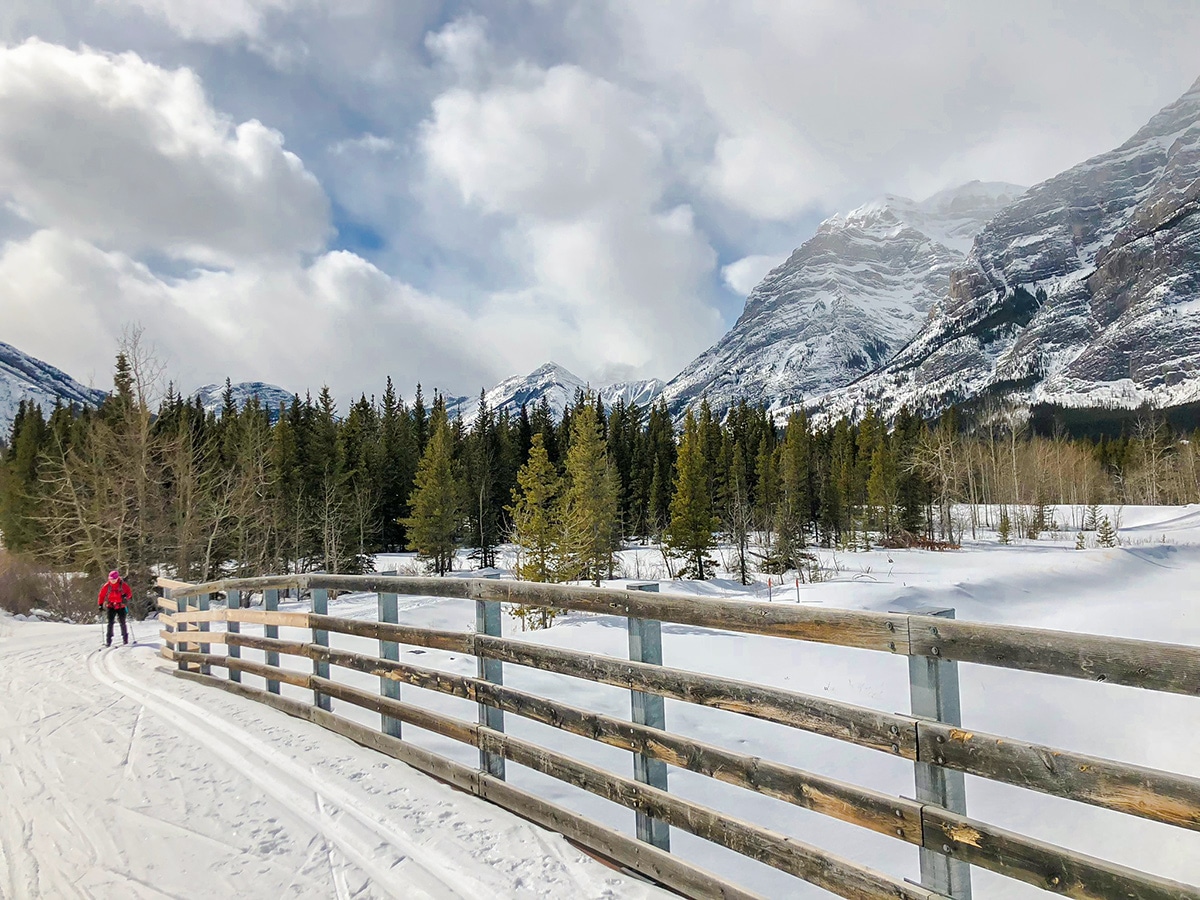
[334, 191]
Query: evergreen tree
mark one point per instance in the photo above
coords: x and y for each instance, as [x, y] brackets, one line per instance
[881, 488]
[437, 501]
[690, 534]
[794, 509]
[590, 511]
[536, 527]
[1106, 535]
[483, 480]
[19, 479]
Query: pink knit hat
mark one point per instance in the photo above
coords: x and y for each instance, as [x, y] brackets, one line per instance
[114, 574]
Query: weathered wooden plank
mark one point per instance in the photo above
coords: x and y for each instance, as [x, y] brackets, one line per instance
[166, 653]
[200, 615]
[662, 867]
[1144, 664]
[787, 854]
[454, 641]
[268, 582]
[166, 605]
[269, 617]
[833, 873]
[1136, 790]
[168, 584]
[407, 584]
[1047, 866]
[888, 732]
[271, 673]
[869, 809]
[681, 876]
[193, 638]
[273, 645]
[847, 628]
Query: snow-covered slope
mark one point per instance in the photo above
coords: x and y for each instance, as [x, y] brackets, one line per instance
[1085, 292]
[270, 396]
[24, 378]
[558, 386]
[844, 302]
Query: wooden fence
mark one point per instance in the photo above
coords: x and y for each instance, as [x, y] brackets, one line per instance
[932, 738]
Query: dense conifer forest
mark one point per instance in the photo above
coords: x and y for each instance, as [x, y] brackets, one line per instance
[169, 487]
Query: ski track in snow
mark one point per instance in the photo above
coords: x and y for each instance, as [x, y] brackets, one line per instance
[119, 782]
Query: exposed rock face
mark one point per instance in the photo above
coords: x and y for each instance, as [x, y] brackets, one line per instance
[270, 396]
[843, 303]
[559, 387]
[24, 378]
[1085, 292]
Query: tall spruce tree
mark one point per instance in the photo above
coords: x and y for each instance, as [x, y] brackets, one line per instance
[795, 491]
[590, 498]
[690, 534]
[536, 524]
[437, 501]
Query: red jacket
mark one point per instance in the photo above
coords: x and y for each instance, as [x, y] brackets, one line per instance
[115, 596]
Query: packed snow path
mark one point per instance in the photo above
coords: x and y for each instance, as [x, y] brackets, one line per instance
[120, 781]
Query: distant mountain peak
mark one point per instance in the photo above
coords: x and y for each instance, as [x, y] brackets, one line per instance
[270, 396]
[24, 378]
[844, 302]
[1084, 292]
[558, 386]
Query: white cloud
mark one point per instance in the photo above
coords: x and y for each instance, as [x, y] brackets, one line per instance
[573, 168]
[744, 275]
[212, 21]
[133, 157]
[338, 320]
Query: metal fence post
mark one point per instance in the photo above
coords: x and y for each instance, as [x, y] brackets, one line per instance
[233, 600]
[181, 606]
[487, 621]
[934, 687]
[645, 645]
[205, 604]
[271, 604]
[320, 607]
[388, 687]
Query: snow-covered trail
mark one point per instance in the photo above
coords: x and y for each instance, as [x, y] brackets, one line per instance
[120, 781]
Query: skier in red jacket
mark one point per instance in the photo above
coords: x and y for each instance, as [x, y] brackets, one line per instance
[113, 597]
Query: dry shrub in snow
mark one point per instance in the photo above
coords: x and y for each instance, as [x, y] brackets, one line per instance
[26, 585]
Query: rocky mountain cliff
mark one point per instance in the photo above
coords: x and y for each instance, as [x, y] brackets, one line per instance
[24, 378]
[1086, 292]
[844, 302]
[558, 386]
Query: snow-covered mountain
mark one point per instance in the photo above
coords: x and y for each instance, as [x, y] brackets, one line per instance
[1086, 292]
[270, 396]
[24, 378]
[844, 302]
[558, 386]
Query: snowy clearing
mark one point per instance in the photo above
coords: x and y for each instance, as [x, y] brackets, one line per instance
[108, 755]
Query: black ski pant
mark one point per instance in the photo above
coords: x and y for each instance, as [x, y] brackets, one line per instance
[112, 614]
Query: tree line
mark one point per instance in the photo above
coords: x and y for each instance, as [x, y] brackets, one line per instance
[167, 487]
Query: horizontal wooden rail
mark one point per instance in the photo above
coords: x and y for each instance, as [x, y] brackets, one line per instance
[888, 732]
[1173, 668]
[1150, 665]
[869, 809]
[1140, 791]
[753, 841]
[1045, 865]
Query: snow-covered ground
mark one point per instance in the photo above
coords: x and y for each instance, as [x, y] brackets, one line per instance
[105, 756]
[118, 781]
